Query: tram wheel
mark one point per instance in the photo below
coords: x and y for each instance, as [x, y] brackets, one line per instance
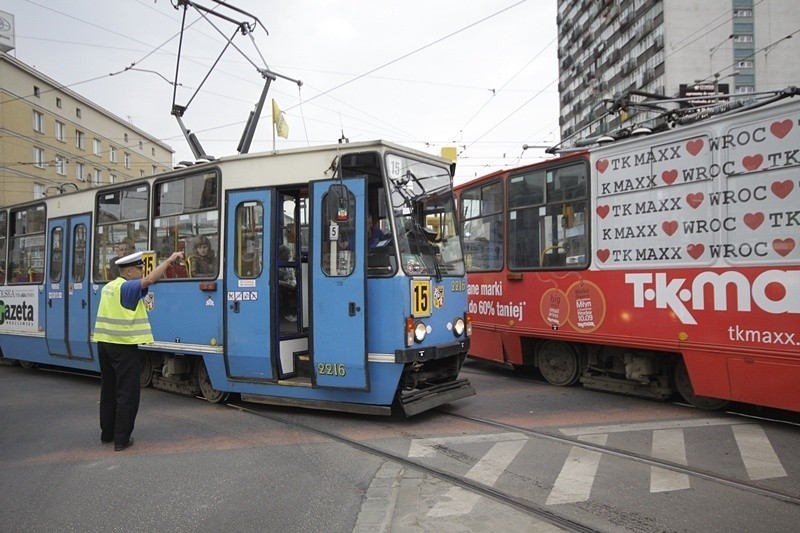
[147, 370]
[204, 382]
[684, 387]
[558, 363]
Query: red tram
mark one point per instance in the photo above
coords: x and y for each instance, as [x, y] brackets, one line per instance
[658, 264]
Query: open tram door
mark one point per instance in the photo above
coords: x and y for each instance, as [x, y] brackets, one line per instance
[248, 309]
[338, 283]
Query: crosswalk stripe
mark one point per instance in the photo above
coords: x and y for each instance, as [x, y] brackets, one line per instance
[486, 471]
[668, 445]
[646, 426]
[574, 483]
[757, 453]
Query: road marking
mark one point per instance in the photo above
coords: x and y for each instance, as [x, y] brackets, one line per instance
[668, 445]
[649, 426]
[757, 453]
[487, 470]
[574, 483]
[428, 447]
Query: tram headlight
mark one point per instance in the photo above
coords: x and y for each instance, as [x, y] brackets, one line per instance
[420, 330]
[415, 331]
[458, 326]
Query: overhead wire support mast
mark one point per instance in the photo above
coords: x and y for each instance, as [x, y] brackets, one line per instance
[245, 28]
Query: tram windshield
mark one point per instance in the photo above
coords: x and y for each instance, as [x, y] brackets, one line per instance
[423, 210]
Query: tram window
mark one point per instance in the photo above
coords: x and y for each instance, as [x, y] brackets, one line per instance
[482, 227]
[526, 189]
[56, 254]
[122, 228]
[79, 253]
[187, 220]
[3, 234]
[338, 231]
[27, 235]
[553, 234]
[249, 240]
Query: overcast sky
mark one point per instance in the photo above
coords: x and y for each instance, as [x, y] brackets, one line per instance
[474, 74]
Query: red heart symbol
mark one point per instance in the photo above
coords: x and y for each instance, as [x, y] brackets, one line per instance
[670, 226]
[603, 254]
[783, 246]
[781, 189]
[601, 165]
[753, 162]
[780, 129]
[695, 250]
[669, 176]
[753, 220]
[603, 210]
[695, 199]
[694, 147]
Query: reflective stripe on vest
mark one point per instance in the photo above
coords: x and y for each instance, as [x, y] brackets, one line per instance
[118, 325]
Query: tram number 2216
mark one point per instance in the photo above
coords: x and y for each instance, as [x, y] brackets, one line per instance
[331, 369]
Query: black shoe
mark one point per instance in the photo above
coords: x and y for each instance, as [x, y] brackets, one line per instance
[106, 441]
[120, 447]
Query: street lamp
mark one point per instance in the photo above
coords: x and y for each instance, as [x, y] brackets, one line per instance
[713, 50]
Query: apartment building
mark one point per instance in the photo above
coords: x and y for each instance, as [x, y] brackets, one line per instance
[53, 140]
[609, 47]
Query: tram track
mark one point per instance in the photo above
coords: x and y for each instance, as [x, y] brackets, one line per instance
[738, 410]
[520, 504]
[632, 456]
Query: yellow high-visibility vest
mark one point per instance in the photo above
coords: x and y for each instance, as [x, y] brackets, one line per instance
[118, 325]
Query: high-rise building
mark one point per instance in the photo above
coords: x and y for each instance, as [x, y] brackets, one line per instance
[607, 48]
[53, 140]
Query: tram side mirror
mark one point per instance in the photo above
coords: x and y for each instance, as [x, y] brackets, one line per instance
[339, 196]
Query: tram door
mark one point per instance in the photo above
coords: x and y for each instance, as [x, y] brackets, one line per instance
[67, 310]
[338, 283]
[248, 312]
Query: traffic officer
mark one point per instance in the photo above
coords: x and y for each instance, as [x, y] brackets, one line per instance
[122, 324]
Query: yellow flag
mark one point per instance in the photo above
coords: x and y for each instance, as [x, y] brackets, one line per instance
[450, 152]
[281, 126]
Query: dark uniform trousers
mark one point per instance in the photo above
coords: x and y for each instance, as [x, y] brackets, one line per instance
[119, 390]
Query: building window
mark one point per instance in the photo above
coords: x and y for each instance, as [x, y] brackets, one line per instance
[38, 191]
[58, 102]
[140, 145]
[61, 165]
[96, 146]
[744, 64]
[743, 38]
[126, 137]
[80, 139]
[38, 157]
[36, 92]
[154, 170]
[61, 131]
[112, 178]
[79, 172]
[112, 154]
[78, 112]
[141, 172]
[738, 13]
[741, 89]
[38, 121]
[127, 160]
[152, 151]
[97, 176]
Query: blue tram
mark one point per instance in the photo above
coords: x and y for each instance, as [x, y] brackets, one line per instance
[327, 277]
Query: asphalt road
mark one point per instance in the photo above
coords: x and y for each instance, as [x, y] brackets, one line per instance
[201, 467]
